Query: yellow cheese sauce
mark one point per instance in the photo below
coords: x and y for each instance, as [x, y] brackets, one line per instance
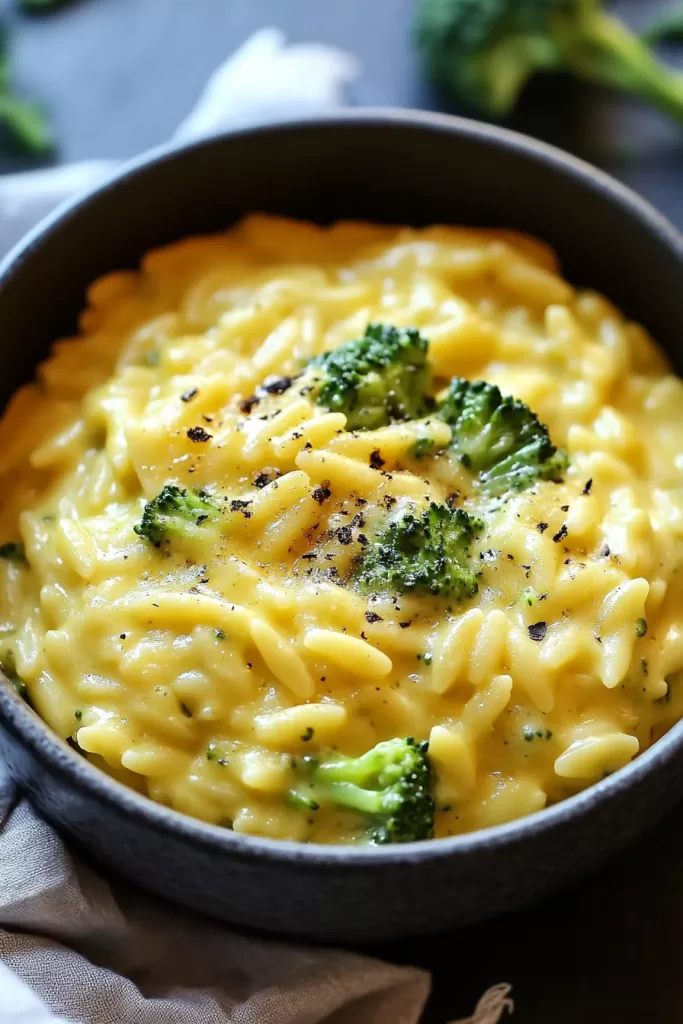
[200, 672]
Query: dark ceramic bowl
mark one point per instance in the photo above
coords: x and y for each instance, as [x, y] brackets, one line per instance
[391, 166]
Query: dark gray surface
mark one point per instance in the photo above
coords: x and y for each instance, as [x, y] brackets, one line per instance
[118, 75]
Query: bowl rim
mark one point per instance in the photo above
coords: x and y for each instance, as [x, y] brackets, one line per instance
[54, 754]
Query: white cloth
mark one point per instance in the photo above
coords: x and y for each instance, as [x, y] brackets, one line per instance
[265, 80]
[75, 947]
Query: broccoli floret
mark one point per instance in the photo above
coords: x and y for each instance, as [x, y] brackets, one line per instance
[499, 439]
[12, 551]
[427, 551]
[175, 512]
[376, 379]
[390, 786]
[23, 120]
[485, 51]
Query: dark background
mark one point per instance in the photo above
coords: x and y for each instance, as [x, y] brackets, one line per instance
[117, 77]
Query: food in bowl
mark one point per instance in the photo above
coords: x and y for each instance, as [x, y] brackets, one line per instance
[346, 535]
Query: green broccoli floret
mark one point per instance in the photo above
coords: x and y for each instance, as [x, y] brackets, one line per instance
[427, 551]
[13, 551]
[499, 439]
[390, 786]
[485, 51]
[175, 512]
[23, 120]
[376, 379]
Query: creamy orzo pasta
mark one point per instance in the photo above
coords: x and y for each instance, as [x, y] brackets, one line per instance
[258, 517]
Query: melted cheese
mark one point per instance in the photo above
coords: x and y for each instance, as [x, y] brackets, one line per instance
[198, 672]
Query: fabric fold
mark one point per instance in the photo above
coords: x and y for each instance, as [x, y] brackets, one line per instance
[97, 952]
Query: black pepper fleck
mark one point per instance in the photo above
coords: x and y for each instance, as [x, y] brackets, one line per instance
[276, 385]
[199, 434]
[321, 493]
[561, 533]
[247, 404]
[537, 630]
[239, 505]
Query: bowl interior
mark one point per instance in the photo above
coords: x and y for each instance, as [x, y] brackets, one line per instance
[393, 167]
[402, 168]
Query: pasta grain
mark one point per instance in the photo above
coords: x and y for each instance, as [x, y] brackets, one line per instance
[211, 670]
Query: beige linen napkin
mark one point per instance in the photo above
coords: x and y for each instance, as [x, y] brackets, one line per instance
[101, 953]
[92, 951]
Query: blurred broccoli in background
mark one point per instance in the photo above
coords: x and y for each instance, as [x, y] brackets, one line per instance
[485, 51]
[24, 120]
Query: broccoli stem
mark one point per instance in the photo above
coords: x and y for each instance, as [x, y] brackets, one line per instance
[345, 782]
[26, 122]
[603, 50]
[358, 770]
[365, 801]
[390, 786]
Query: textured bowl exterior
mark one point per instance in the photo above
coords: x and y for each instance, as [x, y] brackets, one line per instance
[398, 167]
